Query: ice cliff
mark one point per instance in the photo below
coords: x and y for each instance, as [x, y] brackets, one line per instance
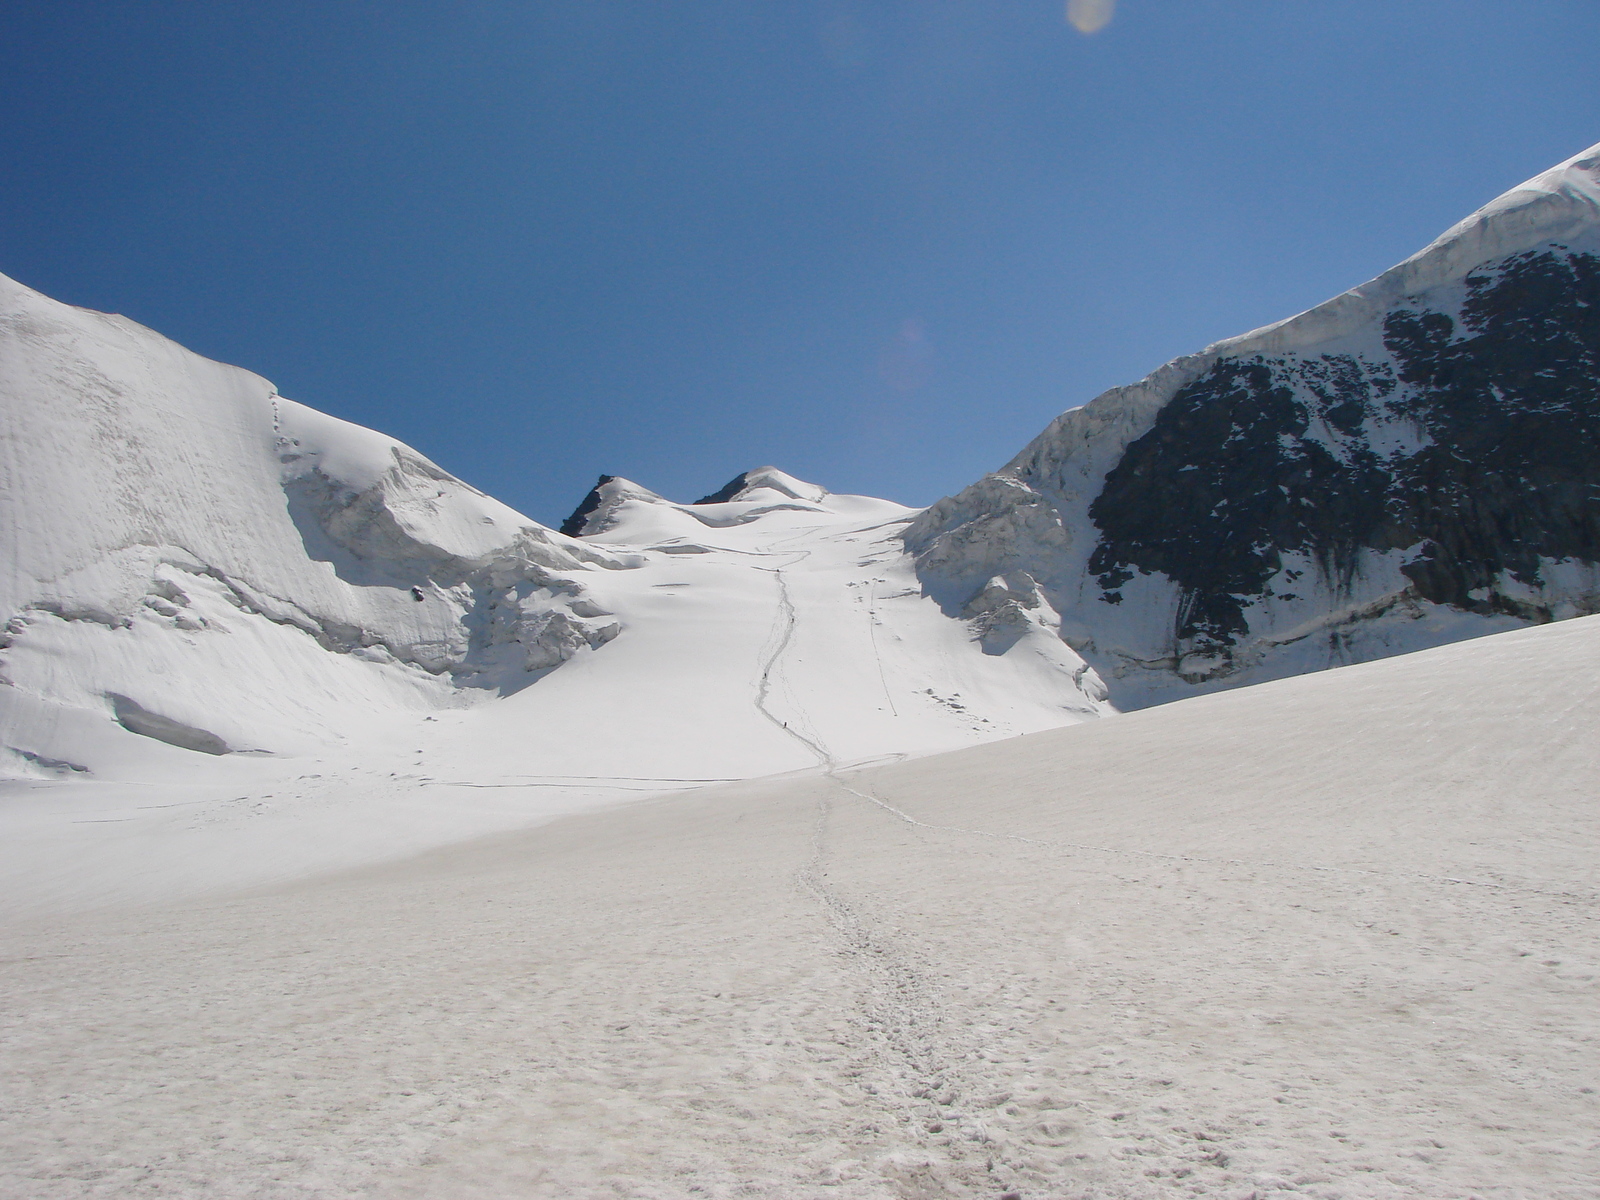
[193, 558]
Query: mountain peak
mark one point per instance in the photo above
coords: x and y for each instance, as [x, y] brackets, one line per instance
[770, 478]
[594, 512]
[1374, 475]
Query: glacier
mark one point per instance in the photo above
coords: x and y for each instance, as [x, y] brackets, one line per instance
[289, 624]
[316, 648]
[183, 541]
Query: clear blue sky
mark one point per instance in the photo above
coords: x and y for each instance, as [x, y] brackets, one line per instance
[878, 243]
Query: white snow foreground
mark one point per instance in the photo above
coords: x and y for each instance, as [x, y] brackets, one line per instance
[1332, 936]
[245, 641]
[1340, 600]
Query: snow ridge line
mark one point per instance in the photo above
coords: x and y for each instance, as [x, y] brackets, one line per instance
[1195, 858]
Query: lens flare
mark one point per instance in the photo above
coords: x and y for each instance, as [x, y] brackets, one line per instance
[906, 363]
[1090, 16]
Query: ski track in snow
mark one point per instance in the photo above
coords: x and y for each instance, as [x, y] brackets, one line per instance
[900, 1036]
[782, 633]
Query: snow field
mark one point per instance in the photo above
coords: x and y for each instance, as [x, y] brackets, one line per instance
[1332, 936]
[813, 619]
[246, 642]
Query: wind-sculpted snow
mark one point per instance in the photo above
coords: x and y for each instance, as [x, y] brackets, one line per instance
[1414, 462]
[181, 542]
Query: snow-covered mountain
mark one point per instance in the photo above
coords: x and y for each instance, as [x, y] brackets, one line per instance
[213, 590]
[1414, 462]
[191, 557]
[298, 627]
[1285, 940]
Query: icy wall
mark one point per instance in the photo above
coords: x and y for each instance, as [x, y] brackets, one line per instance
[190, 558]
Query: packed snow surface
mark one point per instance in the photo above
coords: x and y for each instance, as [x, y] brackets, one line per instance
[1328, 937]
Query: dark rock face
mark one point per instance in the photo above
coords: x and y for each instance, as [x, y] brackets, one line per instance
[1512, 400]
[1475, 439]
[573, 525]
[727, 491]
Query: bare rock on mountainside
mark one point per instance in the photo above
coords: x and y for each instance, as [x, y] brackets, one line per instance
[1414, 462]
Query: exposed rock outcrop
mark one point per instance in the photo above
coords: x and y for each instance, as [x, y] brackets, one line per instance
[1413, 462]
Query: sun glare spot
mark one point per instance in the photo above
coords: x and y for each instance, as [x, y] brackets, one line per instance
[906, 363]
[1090, 16]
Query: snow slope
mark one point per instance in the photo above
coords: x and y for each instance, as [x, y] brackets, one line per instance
[244, 640]
[194, 563]
[749, 639]
[1332, 936]
[1413, 462]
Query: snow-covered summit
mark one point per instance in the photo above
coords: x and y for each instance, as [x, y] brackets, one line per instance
[597, 511]
[620, 512]
[1411, 462]
[765, 479]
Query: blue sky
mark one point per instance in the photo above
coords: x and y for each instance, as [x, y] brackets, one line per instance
[879, 244]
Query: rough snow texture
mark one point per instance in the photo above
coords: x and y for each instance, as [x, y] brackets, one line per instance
[181, 541]
[1414, 462]
[1331, 938]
